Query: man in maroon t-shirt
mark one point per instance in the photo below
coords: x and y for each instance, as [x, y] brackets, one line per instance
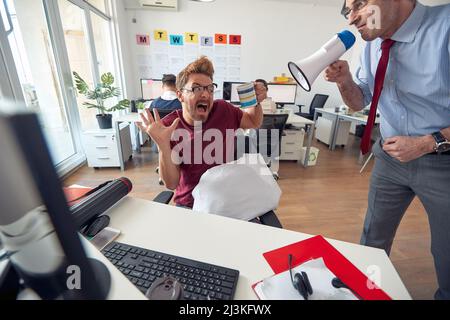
[201, 135]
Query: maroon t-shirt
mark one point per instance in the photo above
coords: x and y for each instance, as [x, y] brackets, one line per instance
[223, 116]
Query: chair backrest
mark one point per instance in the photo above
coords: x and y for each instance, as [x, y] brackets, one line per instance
[163, 112]
[317, 102]
[272, 122]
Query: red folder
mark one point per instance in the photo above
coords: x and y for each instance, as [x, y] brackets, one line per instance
[318, 247]
[75, 194]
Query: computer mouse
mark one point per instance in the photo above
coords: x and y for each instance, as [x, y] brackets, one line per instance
[97, 225]
[165, 288]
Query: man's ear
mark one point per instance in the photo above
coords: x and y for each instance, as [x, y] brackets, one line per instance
[180, 95]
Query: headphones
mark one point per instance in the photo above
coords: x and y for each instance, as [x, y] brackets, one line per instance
[300, 281]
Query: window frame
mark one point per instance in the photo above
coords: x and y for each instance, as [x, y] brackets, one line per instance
[10, 86]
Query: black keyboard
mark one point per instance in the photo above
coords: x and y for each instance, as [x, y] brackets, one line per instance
[200, 281]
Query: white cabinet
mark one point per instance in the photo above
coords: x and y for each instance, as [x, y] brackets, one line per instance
[291, 144]
[102, 148]
[324, 131]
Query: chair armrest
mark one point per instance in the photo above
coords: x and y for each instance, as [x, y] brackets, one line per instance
[270, 219]
[300, 106]
[164, 197]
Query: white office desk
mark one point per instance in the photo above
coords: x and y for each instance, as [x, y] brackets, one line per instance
[227, 242]
[130, 118]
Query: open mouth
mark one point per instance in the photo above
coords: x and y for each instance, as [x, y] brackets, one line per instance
[202, 107]
[361, 27]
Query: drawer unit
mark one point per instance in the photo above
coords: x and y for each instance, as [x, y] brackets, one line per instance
[92, 138]
[102, 147]
[290, 155]
[291, 144]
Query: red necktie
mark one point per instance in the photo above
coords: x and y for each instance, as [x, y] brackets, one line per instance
[379, 81]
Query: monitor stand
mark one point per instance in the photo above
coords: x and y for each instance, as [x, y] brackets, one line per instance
[102, 279]
[50, 286]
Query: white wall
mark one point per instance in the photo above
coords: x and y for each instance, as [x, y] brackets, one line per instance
[123, 37]
[274, 32]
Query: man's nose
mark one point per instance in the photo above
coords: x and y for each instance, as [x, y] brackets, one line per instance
[205, 92]
[353, 18]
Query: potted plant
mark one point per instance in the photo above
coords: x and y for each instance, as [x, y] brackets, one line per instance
[102, 92]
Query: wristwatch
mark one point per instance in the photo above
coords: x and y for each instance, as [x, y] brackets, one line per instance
[442, 144]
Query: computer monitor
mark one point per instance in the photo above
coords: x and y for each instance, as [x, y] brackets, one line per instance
[36, 227]
[230, 91]
[151, 88]
[282, 93]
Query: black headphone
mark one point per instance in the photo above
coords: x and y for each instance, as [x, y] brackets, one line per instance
[300, 281]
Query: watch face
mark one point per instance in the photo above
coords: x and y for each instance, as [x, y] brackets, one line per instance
[443, 147]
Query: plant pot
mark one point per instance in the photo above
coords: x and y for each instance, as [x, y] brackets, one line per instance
[104, 121]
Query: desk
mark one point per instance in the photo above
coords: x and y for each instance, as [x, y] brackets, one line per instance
[227, 242]
[337, 118]
[130, 118]
[301, 122]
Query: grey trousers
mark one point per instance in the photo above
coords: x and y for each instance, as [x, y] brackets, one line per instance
[393, 186]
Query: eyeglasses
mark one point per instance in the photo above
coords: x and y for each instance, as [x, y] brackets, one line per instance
[197, 90]
[300, 281]
[357, 5]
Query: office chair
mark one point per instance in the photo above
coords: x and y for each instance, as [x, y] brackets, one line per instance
[268, 219]
[317, 102]
[264, 142]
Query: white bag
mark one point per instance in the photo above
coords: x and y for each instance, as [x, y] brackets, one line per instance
[243, 189]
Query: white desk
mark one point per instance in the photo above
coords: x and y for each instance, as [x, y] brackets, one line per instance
[338, 117]
[130, 118]
[222, 241]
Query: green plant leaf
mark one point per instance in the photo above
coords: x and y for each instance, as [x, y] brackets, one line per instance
[123, 104]
[107, 79]
[116, 91]
[91, 95]
[140, 105]
[80, 84]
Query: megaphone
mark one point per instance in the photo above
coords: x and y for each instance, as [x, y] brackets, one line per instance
[306, 71]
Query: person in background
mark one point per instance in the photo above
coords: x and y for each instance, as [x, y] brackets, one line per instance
[200, 113]
[268, 105]
[169, 99]
[404, 71]
[263, 83]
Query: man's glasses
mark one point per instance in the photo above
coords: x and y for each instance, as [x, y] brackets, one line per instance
[300, 281]
[197, 90]
[357, 5]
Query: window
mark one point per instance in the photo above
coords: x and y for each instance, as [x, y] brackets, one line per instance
[99, 4]
[77, 44]
[89, 46]
[43, 42]
[32, 51]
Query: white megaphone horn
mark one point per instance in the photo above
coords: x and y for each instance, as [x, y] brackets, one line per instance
[306, 71]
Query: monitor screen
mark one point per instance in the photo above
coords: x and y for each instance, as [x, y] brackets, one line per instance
[151, 88]
[230, 91]
[282, 93]
[32, 183]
